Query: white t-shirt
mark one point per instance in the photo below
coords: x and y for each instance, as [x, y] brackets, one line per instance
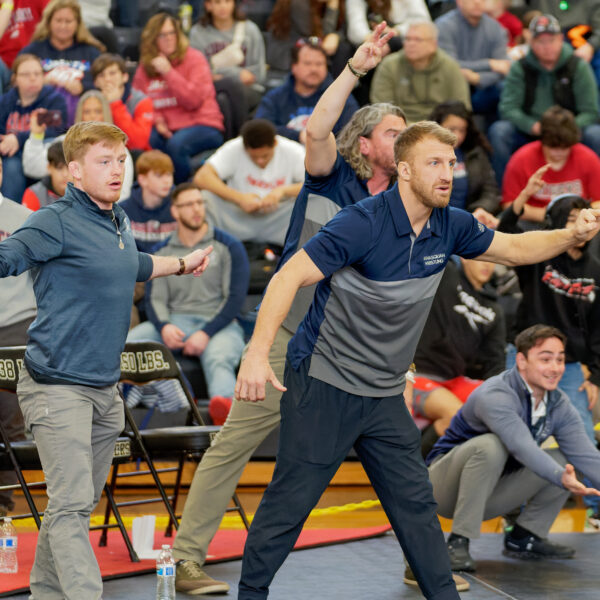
[236, 169]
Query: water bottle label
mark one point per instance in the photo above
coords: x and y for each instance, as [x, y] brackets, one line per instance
[10, 542]
[166, 571]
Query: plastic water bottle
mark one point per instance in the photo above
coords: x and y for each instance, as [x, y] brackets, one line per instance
[165, 574]
[8, 547]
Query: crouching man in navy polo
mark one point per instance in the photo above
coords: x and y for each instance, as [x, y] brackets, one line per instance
[377, 264]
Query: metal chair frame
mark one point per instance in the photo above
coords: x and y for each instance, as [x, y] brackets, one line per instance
[23, 455]
[142, 363]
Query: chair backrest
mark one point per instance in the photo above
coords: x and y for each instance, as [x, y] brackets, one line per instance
[144, 362]
[11, 363]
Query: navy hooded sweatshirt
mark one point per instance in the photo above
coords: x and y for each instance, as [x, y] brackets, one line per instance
[283, 106]
[151, 227]
[14, 117]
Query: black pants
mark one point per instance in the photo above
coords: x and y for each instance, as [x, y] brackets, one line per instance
[319, 425]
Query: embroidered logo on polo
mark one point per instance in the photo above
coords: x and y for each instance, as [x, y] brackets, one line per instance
[434, 259]
[581, 288]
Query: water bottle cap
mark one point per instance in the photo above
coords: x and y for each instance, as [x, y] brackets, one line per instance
[166, 547]
[8, 519]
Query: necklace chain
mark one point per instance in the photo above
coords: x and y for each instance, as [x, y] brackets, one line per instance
[114, 220]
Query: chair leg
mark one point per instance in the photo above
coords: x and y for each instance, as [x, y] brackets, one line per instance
[111, 501]
[161, 489]
[169, 529]
[113, 483]
[241, 511]
[19, 473]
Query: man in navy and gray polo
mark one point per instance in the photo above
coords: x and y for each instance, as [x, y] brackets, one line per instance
[378, 264]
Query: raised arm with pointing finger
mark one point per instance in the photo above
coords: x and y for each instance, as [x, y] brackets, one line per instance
[321, 150]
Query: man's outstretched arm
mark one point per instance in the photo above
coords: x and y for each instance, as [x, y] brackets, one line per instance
[255, 370]
[536, 246]
[195, 262]
[321, 151]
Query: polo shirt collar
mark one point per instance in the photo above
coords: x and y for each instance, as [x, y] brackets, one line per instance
[400, 218]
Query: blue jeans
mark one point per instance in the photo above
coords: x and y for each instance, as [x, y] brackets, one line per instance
[505, 138]
[14, 181]
[220, 357]
[184, 144]
[570, 383]
[485, 100]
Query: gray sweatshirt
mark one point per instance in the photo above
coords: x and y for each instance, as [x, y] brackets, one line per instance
[17, 301]
[472, 46]
[210, 40]
[502, 405]
[217, 296]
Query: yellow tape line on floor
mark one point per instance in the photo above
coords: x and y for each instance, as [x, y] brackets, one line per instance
[229, 520]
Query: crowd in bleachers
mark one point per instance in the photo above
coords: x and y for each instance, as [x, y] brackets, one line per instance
[214, 97]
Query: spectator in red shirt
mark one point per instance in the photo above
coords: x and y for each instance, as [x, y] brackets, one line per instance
[131, 110]
[497, 9]
[572, 168]
[18, 20]
[187, 118]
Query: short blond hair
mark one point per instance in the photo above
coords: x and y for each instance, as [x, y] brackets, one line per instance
[415, 133]
[154, 160]
[81, 136]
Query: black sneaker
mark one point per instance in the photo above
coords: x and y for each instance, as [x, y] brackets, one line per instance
[534, 547]
[458, 549]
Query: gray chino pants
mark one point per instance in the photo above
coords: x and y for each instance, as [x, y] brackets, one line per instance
[469, 487]
[219, 471]
[75, 428]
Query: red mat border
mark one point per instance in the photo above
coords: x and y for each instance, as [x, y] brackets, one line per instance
[228, 538]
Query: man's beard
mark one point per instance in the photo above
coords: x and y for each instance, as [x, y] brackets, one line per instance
[426, 197]
[191, 225]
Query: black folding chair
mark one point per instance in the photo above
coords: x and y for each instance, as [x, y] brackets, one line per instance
[23, 455]
[143, 363]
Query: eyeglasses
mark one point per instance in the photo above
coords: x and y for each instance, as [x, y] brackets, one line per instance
[313, 41]
[414, 38]
[167, 34]
[190, 203]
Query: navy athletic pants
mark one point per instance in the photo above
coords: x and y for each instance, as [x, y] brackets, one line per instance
[319, 425]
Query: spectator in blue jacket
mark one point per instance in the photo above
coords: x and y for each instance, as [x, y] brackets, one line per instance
[67, 50]
[290, 105]
[490, 461]
[29, 95]
[197, 316]
[149, 206]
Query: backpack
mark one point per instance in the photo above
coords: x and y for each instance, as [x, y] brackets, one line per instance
[562, 89]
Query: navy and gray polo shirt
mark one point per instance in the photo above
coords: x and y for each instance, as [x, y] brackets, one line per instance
[320, 199]
[364, 323]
